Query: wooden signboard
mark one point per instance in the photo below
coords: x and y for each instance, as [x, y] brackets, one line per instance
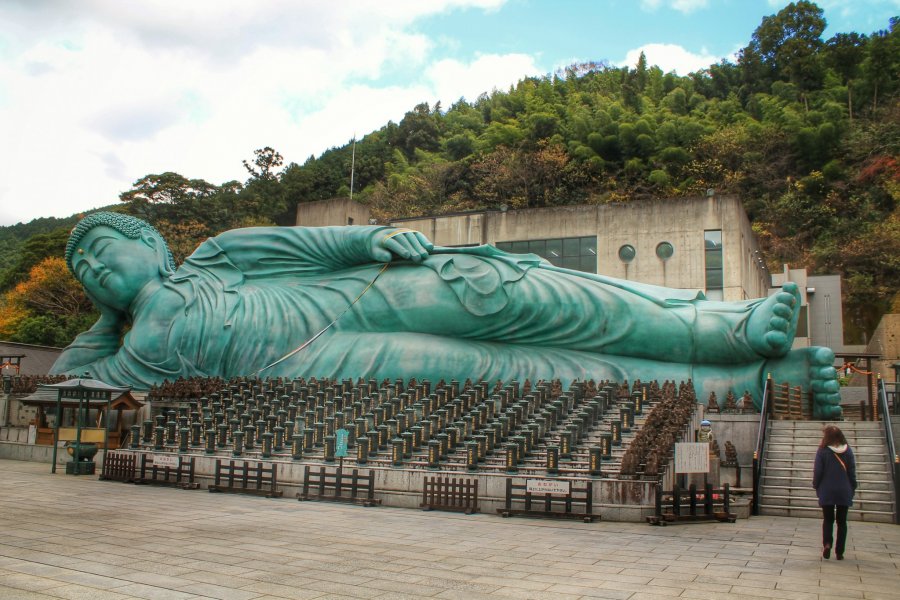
[691, 457]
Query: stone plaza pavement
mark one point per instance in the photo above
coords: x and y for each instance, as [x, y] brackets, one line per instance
[77, 537]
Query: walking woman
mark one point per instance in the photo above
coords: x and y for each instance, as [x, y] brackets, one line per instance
[834, 478]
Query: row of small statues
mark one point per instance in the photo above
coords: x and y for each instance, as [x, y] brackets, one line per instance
[730, 453]
[28, 384]
[196, 387]
[652, 446]
[190, 387]
[744, 405]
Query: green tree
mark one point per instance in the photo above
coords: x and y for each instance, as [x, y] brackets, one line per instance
[169, 196]
[32, 252]
[845, 55]
[881, 63]
[263, 195]
[787, 45]
[419, 130]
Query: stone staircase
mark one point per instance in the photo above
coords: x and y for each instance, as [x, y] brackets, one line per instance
[786, 486]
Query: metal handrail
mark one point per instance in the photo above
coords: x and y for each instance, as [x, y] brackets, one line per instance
[889, 439]
[761, 442]
[895, 394]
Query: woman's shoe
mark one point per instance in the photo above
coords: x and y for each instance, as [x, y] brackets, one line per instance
[839, 556]
[826, 552]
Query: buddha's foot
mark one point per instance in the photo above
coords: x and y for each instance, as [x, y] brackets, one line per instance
[771, 328]
[813, 370]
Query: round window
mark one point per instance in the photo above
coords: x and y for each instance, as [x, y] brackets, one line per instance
[627, 253]
[665, 250]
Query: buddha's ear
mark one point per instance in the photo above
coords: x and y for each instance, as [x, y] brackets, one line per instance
[153, 240]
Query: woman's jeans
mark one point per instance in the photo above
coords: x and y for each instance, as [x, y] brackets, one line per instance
[828, 526]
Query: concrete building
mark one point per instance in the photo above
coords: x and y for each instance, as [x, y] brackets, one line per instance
[703, 243]
[691, 243]
[337, 211]
[821, 319]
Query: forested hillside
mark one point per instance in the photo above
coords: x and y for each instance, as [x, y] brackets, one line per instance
[805, 130]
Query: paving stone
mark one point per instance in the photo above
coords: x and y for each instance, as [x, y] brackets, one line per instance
[163, 543]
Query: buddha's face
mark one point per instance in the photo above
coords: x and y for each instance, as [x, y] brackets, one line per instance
[114, 268]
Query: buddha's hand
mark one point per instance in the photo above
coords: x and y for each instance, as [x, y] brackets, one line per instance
[403, 243]
[111, 321]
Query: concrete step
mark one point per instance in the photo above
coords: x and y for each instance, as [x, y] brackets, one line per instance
[862, 434]
[772, 490]
[816, 513]
[820, 424]
[877, 446]
[871, 485]
[814, 441]
[803, 453]
[809, 442]
[788, 468]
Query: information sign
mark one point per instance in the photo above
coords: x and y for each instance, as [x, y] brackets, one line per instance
[340, 442]
[547, 486]
[165, 460]
[691, 457]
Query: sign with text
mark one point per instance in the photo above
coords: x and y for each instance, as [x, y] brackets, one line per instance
[340, 442]
[691, 457]
[547, 486]
[165, 460]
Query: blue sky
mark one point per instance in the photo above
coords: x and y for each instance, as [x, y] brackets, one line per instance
[98, 93]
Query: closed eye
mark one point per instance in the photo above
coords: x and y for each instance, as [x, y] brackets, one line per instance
[80, 268]
[101, 245]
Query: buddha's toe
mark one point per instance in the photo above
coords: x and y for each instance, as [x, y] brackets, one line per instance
[772, 325]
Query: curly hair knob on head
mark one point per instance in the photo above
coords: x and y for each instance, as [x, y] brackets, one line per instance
[127, 225]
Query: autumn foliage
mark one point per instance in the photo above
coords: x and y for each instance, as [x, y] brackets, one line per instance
[48, 308]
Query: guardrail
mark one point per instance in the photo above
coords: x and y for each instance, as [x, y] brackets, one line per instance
[758, 460]
[892, 451]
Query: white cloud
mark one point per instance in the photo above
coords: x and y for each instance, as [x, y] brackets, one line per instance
[684, 6]
[670, 57]
[452, 79]
[96, 94]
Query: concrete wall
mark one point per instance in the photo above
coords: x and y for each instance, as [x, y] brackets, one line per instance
[643, 225]
[886, 342]
[825, 311]
[37, 359]
[15, 414]
[613, 499]
[19, 449]
[338, 211]
[739, 429]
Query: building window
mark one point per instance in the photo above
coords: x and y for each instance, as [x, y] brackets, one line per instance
[578, 254]
[712, 242]
[665, 250]
[627, 253]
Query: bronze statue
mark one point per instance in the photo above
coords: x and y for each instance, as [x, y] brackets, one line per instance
[385, 302]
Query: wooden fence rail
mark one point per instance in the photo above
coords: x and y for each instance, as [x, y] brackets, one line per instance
[245, 478]
[336, 486]
[555, 504]
[453, 494]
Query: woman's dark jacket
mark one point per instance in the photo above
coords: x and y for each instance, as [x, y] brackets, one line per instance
[835, 484]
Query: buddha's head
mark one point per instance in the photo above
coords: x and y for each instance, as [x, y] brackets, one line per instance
[115, 256]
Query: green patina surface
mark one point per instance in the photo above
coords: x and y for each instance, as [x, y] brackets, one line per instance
[393, 305]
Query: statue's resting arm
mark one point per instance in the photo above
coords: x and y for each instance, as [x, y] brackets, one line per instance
[100, 341]
[261, 252]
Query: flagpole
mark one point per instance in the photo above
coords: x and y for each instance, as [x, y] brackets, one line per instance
[352, 165]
